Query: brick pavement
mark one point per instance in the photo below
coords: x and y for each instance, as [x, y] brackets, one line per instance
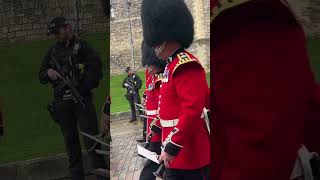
[124, 160]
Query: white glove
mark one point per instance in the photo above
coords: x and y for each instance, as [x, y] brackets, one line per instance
[126, 85]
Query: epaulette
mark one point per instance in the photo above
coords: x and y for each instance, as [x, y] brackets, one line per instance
[183, 59]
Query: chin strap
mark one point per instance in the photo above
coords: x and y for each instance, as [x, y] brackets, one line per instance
[159, 50]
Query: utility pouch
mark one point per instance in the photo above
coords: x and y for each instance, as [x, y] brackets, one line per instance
[127, 97]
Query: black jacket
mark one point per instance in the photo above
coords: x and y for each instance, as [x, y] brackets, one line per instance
[85, 62]
[134, 81]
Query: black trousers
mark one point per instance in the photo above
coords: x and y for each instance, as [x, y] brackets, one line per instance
[177, 174]
[144, 129]
[134, 98]
[150, 166]
[70, 117]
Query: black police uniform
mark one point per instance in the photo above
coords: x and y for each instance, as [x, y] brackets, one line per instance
[132, 95]
[79, 59]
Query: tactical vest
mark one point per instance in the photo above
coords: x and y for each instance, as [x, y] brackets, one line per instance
[70, 65]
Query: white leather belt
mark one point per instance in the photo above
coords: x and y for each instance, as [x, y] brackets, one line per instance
[169, 123]
[151, 112]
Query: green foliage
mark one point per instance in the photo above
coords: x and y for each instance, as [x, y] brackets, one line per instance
[314, 55]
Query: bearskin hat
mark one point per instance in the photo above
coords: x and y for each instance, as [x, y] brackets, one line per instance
[149, 58]
[167, 20]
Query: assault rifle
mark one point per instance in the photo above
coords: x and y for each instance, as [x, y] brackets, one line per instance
[68, 82]
[130, 87]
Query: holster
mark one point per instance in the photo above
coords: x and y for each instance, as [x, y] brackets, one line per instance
[128, 96]
[52, 111]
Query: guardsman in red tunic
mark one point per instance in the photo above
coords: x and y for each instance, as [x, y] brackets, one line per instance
[155, 67]
[168, 27]
[262, 90]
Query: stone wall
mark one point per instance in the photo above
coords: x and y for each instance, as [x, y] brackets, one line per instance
[120, 41]
[308, 13]
[28, 19]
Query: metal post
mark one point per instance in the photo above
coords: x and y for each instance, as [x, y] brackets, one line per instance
[131, 36]
[111, 9]
[76, 11]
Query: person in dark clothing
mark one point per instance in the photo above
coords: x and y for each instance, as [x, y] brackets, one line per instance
[133, 84]
[71, 62]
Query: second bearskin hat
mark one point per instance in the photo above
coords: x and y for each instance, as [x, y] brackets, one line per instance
[149, 57]
[167, 20]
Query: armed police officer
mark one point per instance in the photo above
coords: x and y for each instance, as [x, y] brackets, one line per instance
[73, 69]
[133, 84]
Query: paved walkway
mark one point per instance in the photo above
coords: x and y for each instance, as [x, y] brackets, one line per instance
[124, 159]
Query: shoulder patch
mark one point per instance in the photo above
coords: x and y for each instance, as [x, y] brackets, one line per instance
[183, 59]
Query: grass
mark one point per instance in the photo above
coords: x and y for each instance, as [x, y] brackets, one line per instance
[29, 130]
[119, 102]
[314, 55]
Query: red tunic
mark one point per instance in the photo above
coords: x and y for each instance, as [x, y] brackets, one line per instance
[182, 98]
[152, 97]
[262, 90]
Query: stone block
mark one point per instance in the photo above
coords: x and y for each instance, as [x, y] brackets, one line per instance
[36, 26]
[4, 30]
[12, 21]
[11, 35]
[25, 20]
[3, 36]
[26, 26]
[21, 33]
[37, 36]
[19, 20]
[15, 28]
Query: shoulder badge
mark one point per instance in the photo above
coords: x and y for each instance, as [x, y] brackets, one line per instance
[183, 58]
